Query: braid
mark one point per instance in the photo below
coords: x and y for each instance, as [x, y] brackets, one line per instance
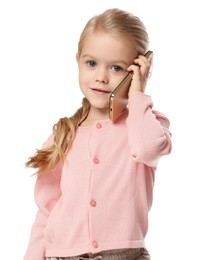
[64, 133]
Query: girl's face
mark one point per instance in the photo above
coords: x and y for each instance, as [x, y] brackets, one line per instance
[102, 65]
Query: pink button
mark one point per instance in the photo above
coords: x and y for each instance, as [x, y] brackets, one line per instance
[95, 244]
[93, 203]
[96, 160]
[98, 125]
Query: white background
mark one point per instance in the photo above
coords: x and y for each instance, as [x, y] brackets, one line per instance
[38, 85]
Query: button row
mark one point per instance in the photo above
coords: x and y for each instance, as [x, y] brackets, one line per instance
[93, 203]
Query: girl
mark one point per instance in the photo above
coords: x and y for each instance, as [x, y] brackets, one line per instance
[95, 177]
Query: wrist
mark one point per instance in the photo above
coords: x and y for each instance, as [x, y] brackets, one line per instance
[135, 90]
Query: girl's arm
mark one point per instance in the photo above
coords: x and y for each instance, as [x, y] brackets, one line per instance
[47, 192]
[148, 130]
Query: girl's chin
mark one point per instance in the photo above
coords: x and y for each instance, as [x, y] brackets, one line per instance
[99, 105]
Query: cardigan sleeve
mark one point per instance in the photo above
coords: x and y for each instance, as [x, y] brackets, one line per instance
[46, 193]
[148, 130]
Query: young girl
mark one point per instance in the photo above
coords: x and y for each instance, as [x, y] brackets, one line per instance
[95, 177]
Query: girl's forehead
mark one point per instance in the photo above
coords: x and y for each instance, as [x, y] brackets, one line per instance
[106, 44]
[106, 38]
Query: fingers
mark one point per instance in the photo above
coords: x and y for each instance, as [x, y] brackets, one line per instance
[143, 65]
[141, 68]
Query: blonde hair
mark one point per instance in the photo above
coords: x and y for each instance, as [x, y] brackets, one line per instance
[118, 23]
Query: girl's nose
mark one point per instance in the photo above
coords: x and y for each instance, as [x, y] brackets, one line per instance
[102, 76]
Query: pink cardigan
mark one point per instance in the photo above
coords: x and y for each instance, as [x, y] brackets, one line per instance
[101, 198]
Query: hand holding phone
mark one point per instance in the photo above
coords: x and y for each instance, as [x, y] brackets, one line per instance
[118, 99]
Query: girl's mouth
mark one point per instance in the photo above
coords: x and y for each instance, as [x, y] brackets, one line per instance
[101, 91]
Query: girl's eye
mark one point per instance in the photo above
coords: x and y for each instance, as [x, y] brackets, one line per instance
[91, 63]
[116, 68]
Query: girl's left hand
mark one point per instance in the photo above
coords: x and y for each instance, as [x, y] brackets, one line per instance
[141, 72]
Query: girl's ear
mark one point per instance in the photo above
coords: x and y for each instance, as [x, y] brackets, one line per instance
[77, 57]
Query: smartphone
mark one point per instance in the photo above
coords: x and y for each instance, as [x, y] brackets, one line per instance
[118, 99]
